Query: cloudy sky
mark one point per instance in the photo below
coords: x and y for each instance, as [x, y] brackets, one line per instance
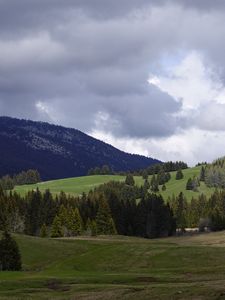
[147, 76]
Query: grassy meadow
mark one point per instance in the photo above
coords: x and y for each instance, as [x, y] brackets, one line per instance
[118, 268]
[78, 185]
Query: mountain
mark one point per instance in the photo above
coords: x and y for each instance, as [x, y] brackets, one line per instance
[58, 152]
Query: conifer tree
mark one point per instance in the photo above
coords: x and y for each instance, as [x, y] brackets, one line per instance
[180, 211]
[57, 229]
[74, 223]
[154, 184]
[179, 175]
[43, 231]
[10, 258]
[189, 185]
[129, 180]
[63, 215]
[93, 227]
[146, 185]
[145, 175]
[202, 174]
[104, 220]
[164, 187]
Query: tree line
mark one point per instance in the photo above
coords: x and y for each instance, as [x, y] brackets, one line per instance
[25, 177]
[109, 209]
[151, 170]
[201, 212]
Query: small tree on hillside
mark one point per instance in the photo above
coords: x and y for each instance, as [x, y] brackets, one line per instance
[129, 180]
[179, 175]
[164, 187]
[202, 174]
[189, 185]
[154, 184]
[10, 258]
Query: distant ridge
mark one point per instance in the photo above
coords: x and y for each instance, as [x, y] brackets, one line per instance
[58, 152]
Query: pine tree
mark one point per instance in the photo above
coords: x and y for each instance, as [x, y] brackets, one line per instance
[10, 258]
[74, 223]
[57, 229]
[164, 187]
[189, 185]
[146, 185]
[43, 231]
[181, 211]
[179, 175]
[63, 215]
[154, 184]
[93, 227]
[105, 170]
[104, 220]
[145, 175]
[129, 180]
[202, 174]
[112, 227]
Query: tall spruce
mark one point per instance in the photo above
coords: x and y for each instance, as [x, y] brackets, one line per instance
[104, 221]
[57, 228]
[10, 258]
[74, 222]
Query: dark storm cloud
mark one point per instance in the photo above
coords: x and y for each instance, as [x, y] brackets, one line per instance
[86, 63]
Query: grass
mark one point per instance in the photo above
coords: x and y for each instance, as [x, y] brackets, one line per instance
[77, 185]
[118, 268]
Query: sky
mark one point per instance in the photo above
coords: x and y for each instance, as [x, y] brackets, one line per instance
[147, 76]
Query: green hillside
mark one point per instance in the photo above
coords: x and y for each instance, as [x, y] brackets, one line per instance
[118, 268]
[77, 185]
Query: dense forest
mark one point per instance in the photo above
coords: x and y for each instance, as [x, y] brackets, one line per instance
[109, 209]
[112, 208]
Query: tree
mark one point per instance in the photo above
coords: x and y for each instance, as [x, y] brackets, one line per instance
[202, 174]
[154, 184]
[57, 229]
[129, 180]
[189, 185]
[146, 185]
[180, 211]
[164, 187]
[10, 258]
[33, 214]
[93, 228]
[43, 231]
[179, 175]
[74, 224]
[105, 170]
[145, 175]
[104, 221]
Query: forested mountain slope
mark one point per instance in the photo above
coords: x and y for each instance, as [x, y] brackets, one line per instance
[58, 152]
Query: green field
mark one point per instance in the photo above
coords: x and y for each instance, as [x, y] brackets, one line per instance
[118, 268]
[77, 185]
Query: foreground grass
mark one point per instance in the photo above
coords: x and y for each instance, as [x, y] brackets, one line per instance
[78, 185]
[118, 268]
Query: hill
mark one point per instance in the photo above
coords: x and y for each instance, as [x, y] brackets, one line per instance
[58, 152]
[78, 185]
[118, 268]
